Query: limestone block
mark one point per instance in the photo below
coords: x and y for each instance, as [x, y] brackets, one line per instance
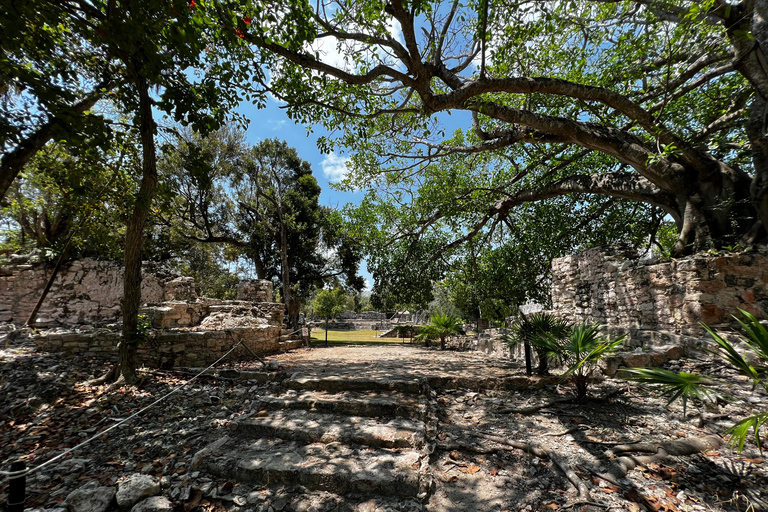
[674, 352]
[610, 364]
[181, 289]
[135, 488]
[93, 499]
[154, 504]
[637, 360]
[711, 314]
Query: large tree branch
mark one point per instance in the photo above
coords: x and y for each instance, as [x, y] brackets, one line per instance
[618, 184]
[527, 85]
[13, 161]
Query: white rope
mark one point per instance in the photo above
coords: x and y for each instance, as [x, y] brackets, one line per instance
[16, 474]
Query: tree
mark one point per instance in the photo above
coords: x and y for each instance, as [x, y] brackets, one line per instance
[151, 45]
[440, 326]
[667, 99]
[49, 86]
[263, 201]
[63, 201]
[584, 347]
[328, 304]
[545, 333]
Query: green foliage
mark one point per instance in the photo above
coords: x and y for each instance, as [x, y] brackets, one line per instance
[677, 385]
[440, 327]
[263, 203]
[61, 196]
[583, 349]
[330, 303]
[755, 339]
[545, 332]
[405, 331]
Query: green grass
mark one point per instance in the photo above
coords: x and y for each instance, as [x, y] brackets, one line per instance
[350, 338]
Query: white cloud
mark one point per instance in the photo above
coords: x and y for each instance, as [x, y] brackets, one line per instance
[368, 286]
[334, 167]
[395, 30]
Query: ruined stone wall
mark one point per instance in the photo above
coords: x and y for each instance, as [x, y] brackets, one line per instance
[85, 291]
[167, 349]
[659, 301]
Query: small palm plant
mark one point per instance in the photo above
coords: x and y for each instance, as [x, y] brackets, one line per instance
[440, 326]
[583, 349]
[691, 386]
[545, 333]
[683, 385]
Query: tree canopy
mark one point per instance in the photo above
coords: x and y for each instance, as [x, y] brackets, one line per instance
[262, 201]
[653, 102]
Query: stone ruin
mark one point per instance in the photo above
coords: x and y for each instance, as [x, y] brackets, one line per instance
[81, 314]
[657, 302]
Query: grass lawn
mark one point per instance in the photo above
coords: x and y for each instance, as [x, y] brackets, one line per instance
[350, 337]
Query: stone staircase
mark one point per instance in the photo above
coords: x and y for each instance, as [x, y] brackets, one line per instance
[290, 339]
[361, 439]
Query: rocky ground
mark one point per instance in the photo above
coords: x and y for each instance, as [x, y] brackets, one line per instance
[489, 438]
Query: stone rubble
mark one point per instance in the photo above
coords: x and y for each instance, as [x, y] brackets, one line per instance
[370, 391]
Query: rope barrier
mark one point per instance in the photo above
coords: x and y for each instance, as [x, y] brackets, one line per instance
[8, 475]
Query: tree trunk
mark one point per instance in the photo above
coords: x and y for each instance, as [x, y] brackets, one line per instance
[125, 370]
[287, 298]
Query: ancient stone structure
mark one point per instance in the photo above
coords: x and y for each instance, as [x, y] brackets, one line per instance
[82, 312]
[659, 302]
[84, 292]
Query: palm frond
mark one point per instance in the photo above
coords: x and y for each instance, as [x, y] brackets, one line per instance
[740, 430]
[728, 352]
[757, 334]
[675, 385]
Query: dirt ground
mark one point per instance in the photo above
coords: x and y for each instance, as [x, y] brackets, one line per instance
[479, 459]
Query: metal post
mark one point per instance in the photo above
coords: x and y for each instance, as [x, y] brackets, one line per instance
[16, 489]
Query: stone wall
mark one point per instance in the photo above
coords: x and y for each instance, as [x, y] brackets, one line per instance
[84, 292]
[659, 301]
[82, 311]
[166, 349]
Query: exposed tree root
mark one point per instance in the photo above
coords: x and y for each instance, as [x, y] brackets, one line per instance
[620, 466]
[563, 433]
[534, 449]
[681, 447]
[98, 381]
[528, 410]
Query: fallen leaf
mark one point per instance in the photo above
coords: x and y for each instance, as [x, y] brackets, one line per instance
[610, 489]
[552, 505]
[757, 460]
[471, 469]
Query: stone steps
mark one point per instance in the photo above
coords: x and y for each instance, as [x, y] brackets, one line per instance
[348, 436]
[351, 403]
[310, 427]
[336, 383]
[331, 467]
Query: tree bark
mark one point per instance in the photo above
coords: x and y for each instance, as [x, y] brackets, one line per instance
[125, 370]
[285, 269]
